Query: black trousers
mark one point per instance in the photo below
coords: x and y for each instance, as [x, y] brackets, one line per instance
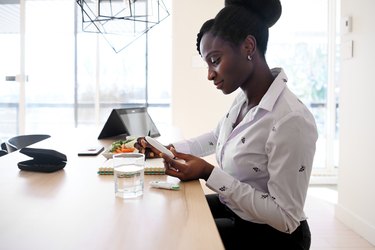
[237, 233]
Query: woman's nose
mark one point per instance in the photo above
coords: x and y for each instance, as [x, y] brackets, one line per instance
[211, 75]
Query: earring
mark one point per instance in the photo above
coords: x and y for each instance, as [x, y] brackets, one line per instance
[249, 58]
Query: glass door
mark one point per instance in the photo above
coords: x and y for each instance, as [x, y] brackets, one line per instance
[37, 48]
[11, 81]
[50, 65]
[308, 49]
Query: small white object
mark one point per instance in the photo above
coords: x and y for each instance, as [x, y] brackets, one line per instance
[164, 185]
[159, 146]
[347, 24]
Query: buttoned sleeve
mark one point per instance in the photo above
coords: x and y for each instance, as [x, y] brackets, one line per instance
[200, 146]
[290, 149]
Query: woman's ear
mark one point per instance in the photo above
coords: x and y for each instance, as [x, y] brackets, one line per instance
[250, 45]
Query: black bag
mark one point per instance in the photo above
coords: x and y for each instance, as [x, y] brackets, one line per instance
[44, 160]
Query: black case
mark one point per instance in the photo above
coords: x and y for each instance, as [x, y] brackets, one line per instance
[44, 160]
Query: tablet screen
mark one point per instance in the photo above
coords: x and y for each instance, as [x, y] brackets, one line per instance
[138, 122]
[129, 121]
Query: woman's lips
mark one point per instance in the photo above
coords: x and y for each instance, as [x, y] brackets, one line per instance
[219, 85]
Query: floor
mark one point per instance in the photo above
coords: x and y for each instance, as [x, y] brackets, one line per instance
[328, 233]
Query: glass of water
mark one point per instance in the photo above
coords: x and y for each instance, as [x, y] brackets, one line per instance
[128, 171]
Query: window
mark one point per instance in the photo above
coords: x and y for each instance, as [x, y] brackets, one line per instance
[137, 75]
[307, 48]
[75, 80]
[59, 94]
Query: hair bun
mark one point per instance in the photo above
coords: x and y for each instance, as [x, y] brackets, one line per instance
[268, 10]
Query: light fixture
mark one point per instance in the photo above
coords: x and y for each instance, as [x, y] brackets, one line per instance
[121, 22]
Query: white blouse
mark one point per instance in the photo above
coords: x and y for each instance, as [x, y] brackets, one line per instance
[265, 162]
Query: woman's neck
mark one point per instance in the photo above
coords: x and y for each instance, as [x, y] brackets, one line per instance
[258, 84]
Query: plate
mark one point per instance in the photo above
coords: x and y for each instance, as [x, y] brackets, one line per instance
[108, 155]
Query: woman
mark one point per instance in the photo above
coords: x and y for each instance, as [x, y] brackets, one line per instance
[265, 143]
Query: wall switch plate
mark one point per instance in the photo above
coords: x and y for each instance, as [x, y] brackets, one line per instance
[347, 24]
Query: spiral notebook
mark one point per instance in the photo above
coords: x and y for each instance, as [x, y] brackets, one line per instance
[150, 168]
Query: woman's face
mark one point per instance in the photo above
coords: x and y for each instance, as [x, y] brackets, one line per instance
[228, 66]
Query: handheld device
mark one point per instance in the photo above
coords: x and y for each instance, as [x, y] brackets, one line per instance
[159, 146]
[91, 151]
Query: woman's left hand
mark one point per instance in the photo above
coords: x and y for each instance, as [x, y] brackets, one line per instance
[193, 168]
[145, 148]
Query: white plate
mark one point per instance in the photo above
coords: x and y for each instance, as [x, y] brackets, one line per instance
[107, 154]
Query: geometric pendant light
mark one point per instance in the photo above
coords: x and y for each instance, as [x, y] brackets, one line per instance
[121, 22]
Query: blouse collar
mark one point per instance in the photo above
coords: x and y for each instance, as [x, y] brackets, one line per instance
[275, 90]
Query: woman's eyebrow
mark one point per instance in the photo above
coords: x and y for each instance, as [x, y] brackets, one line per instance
[209, 54]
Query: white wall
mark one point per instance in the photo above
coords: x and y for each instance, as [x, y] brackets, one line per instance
[194, 98]
[356, 181]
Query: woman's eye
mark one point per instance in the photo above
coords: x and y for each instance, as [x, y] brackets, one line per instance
[214, 60]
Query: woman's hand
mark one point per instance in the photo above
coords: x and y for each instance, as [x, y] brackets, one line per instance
[147, 149]
[193, 168]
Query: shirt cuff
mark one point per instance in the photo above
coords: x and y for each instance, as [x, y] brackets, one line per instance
[182, 146]
[220, 182]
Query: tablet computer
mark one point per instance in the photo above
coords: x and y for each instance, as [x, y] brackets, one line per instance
[129, 121]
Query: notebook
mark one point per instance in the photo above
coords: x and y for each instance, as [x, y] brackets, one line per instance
[152, 166]
[148, 170]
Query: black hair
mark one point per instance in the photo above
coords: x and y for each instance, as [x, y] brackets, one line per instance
[240, 18]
